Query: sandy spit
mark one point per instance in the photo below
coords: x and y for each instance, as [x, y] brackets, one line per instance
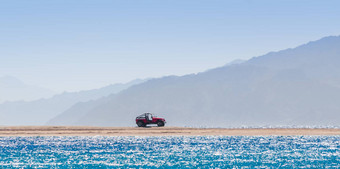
[156, 131]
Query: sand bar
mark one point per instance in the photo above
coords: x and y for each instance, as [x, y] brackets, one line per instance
[156, 131]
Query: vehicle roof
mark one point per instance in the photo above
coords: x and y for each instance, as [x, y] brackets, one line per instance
[144, 114]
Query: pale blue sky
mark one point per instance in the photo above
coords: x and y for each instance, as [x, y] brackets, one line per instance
[76, 45]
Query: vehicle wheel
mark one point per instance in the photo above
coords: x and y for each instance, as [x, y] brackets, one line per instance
[160, 124]
[140, 124]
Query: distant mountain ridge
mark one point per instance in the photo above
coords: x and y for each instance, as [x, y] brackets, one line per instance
[38, 112]
[12, 89]
[297, 86]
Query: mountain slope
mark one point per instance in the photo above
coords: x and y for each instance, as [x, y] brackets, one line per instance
[40, 111]
[76, 111]
[297, 86]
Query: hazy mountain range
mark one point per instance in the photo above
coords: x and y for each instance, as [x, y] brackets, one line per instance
[38, 112]
[299, 86]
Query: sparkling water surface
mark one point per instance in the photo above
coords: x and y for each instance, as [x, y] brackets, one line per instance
[171, 152]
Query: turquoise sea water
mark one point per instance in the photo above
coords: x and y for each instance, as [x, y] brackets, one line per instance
[171, 152]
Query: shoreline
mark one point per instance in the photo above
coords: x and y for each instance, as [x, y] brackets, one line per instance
[7, 131]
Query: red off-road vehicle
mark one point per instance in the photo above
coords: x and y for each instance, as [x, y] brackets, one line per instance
[148, 118]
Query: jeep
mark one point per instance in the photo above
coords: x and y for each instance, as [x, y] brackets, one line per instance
[148, 118]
